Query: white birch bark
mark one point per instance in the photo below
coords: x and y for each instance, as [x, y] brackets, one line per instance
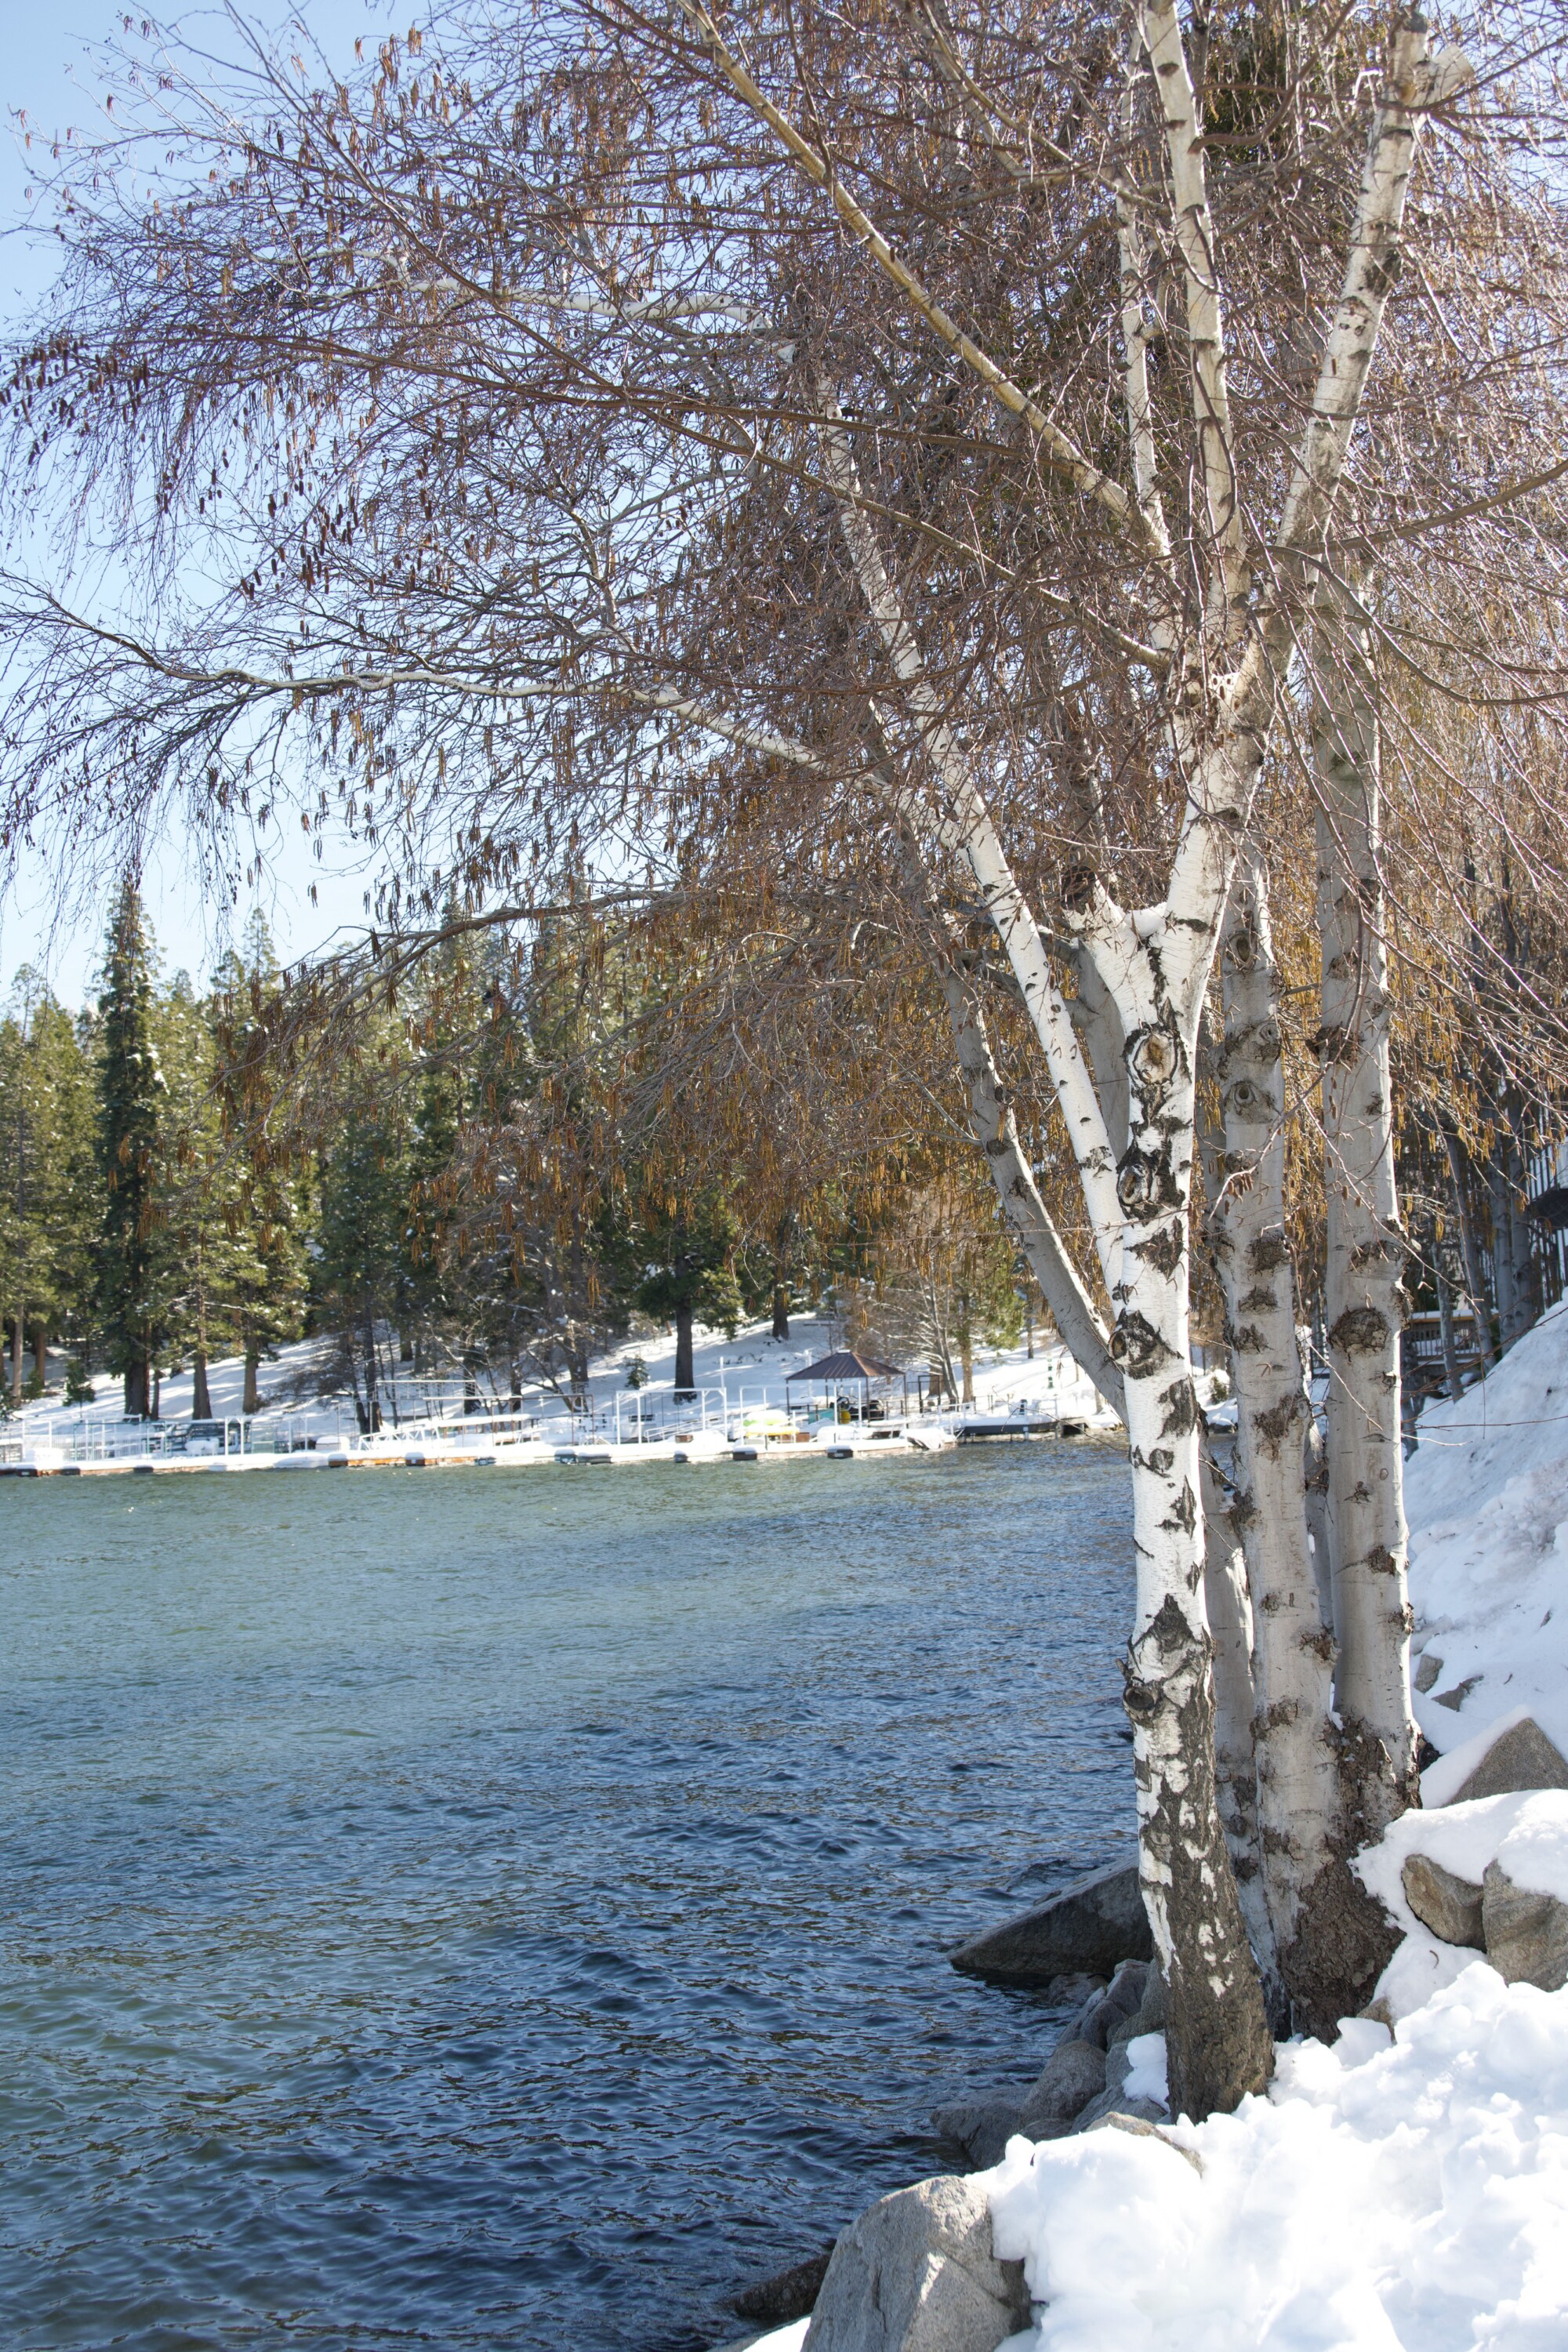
[1330, 1941]
[1074, 1312]
[1227, 1599]
[1364, 1294]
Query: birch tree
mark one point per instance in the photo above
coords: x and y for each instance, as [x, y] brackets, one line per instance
[710, 450]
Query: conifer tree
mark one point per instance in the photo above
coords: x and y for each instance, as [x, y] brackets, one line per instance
[262, 1192]
[44, 1201]
[129, 1106]
[691, 1242]
[362, 1235]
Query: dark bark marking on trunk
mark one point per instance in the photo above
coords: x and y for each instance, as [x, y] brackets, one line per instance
[1344, 1942]
[1180, 1403]
[1164, 1250]
[1360, 1331]
[1138, 1348]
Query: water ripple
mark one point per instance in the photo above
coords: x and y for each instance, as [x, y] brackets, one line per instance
[509, 1912]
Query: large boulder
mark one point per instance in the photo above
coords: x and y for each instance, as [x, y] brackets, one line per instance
[1090, 1926]
[785, 2297]
[1072, 2075]
[981, 2126]
[1519, 1758]
[916, 2274]
[1450, 1905]
[1526, 1933]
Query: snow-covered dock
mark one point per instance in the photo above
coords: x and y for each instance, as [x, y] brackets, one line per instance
[745, 1410]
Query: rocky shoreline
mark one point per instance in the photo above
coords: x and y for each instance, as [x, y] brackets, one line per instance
[917, 2272]
[1089, 1945]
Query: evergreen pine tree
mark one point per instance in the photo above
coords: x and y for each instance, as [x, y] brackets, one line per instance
[43, 1080]
[130, 1102]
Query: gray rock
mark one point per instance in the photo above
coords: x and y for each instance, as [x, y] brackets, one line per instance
[1154, 2008]
[1114, 2109]
[1124, 2001]
[1102, 2021]
[1427, 1671]
[1091, 1925]
[981, 2126]
[916, 2274]
[786, 2297]
[1145, 2125]
[1522, 1758]
[1527, 1934]
[1078, 1988]
[1450, 1905]
[1072, 2075]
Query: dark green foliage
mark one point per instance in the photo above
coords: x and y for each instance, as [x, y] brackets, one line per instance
[690, 1243]
[130, 1090]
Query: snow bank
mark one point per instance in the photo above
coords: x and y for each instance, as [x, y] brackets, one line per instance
[1527, 1834]
[1486, 1496]
[1387, 2196]
[1403, 2192]
[782, 2339]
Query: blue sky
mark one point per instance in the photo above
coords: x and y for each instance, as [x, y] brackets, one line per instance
[47, 70]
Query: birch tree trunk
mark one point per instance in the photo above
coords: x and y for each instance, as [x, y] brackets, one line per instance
[1330, 1940]
[1078, 1324]
[1364, 1294]
[1228, 1603]
[1218, 2037]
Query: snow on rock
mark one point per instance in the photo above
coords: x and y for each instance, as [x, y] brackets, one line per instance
[1526, 1835]
[918, 2273]
[1404, 2195]
[1486, 1497]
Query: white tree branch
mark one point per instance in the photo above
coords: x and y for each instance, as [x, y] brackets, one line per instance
[1194, 230]
[1372, 269]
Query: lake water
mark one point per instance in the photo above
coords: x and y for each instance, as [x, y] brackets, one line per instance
[505, 1909]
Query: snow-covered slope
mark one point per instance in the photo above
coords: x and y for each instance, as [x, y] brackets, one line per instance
[1486, 1496]
[751, 1369]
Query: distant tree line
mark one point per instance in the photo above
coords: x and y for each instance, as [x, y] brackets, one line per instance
[463, 1184]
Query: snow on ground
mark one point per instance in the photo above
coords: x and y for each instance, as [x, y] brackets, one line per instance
[1389, 2195]
[749, 1369]
[1403, 2191]
[1487, 1495]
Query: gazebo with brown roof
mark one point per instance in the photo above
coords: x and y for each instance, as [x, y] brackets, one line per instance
[845, 1368]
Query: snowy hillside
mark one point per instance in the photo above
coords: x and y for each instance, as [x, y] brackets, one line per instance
[1486, 1496]
[751, 1369]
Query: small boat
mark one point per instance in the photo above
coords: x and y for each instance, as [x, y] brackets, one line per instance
[849, 1441]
